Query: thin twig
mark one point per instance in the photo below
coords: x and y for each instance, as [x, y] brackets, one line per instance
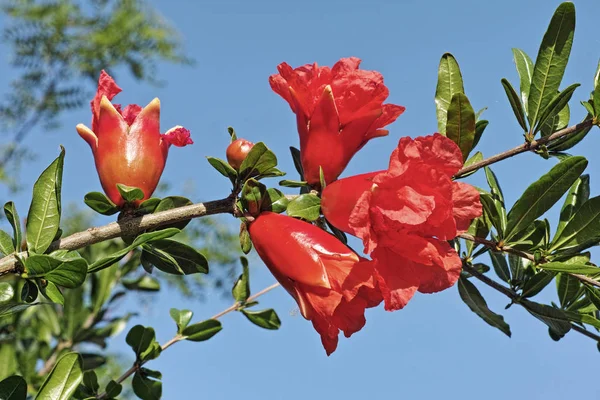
[533, 145]
[177, 338]
[507, 249]
[515, 297]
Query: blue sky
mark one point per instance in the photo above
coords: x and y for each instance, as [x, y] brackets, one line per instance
[433, 348]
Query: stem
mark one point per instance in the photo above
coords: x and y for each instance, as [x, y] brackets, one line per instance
[535, 144]
[177, 338]
[507, 249]
[126, 227]
[515, 297]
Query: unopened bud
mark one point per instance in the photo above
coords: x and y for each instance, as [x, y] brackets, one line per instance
[237, 152]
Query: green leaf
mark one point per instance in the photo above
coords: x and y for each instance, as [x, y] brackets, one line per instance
[202, 331]
[582, 269]
[472, 298]
[146, 388]
[92, 361]
[147, 237]
[241, 287]
[551, 61]
[567, 287]
[13, 218]
[52, 293]
[252, 196]
[274, 200]
[517, 266]
[144, 283]
[449, 83]
[8, 309]
[7, 245]
[223, 168]
[306, 206]
[169, 203]
[143, 342]
[297, 161]
[568, 141]
[90, 380]
[113, 389]
[589, 107]
[29, 292]
[578, 194]
[266, 319]
[148, 206]
[181, 317]
[582, 230]
[596, 95]
[232, 133]
[258, 161]
[537, 283]
[556, 319]
[13, 388]
[498, 199]
[6, 292]
[555, 106]
[292, 184]
[475, 158]
[130, 194]
[245, 241]
[500, 266]
[582, 318]
[68, 273]
[515, 103]
[43, 218]
[460, 126]
[62, 382]
[479, 129]
[175, 257]
[492, 212]
[525, 70]
[100, 203]
[541, 195]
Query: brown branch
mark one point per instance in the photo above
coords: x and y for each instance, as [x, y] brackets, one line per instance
[515, 297]
[127, 227]
[507, 249]
[177, 338]
[534, 145]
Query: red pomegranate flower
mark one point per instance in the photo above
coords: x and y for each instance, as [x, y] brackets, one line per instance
[338, 110]
[127, 145]
[330, 283]
[405, 216]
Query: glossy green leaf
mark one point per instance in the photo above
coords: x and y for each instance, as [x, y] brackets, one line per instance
[68, 273]
[12, 308]
[6, 292]
[100, 203]
[113, 389]
[245, 241]
[202, 331]
[449, 83]
[537, 283]
[175, 257]
[13, 388]
[472, 298]
[500, 266]
[578, 194]
[292, 184]
[568, 141]
[169, 203]
[297, 161]
[596, 95]
[13, 218]
[542, 194]
[143, 342]
[29, 292]
[582, 230]
[558, 122]
[475, 158]
[556, 319]
[143, 283]
[232, 133]
[52, 293]
[223, 168]
[515, 103]
[567, 287]
[479, 129]
[266, 319]
[478, 228]
[306, 206]
[7, 245]
[62, 382]
[146, 388]
[252, 196]
[583, 318]
[43, 218]
[517, 267]
[147, 237]
[525, 70]
[582, 269]
[241, 287]
[530, 238]
[130, 193]
[492, 212]
[148, 206]
[551, 61]
[555, 106]
[90, 380]
[181, 317]
[274, 200]
[460, 124]
[258, 161]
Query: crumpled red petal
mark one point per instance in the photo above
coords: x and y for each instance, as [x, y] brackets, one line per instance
[467, 205]
[178, 136]
[106, 87]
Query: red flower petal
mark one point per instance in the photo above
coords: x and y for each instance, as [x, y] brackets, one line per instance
[178, 136]
[106, 87]
[467, 206]
[397, 278]
[130, 113]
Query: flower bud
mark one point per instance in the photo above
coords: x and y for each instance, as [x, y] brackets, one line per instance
[237, 152]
